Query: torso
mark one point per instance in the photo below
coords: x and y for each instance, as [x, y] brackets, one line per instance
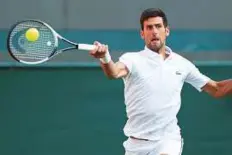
[152, 95]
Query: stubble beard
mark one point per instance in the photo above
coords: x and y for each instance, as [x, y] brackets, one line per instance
[156, 48]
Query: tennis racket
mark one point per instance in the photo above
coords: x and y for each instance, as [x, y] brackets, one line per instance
[41, 50]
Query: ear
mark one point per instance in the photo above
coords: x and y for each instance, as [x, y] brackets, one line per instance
[167, 31]
[142, 34]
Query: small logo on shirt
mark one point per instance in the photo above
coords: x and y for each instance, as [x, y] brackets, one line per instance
[178, 73]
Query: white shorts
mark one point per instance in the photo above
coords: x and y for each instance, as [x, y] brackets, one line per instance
[143, 147]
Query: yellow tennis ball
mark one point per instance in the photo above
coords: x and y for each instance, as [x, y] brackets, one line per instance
[32, 34]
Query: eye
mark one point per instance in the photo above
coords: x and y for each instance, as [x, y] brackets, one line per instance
[158, 26]
[149, 27]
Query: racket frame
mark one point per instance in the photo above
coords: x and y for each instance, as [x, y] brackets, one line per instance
[55, 50]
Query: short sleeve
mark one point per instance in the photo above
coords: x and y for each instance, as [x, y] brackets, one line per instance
[127, 60]
[196, 78]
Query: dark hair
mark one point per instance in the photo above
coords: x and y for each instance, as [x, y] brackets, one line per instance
[153, 12]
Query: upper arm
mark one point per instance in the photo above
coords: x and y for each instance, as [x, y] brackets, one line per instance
[124, 65]
[122, 69]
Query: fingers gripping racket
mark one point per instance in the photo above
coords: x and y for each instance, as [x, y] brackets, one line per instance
[44, 43]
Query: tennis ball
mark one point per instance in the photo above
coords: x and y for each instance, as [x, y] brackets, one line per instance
[32, 34]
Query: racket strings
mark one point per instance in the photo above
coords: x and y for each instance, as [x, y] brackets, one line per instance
[32, 51]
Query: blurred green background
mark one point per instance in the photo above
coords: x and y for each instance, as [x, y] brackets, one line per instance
[76, 110]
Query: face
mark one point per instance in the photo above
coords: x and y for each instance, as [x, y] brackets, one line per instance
[154, 33]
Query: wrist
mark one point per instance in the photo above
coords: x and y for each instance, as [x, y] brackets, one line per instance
[106, 59]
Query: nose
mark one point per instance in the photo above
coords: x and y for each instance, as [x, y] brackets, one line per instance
[154, 30]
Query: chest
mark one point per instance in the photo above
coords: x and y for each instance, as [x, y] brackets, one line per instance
[167, 75]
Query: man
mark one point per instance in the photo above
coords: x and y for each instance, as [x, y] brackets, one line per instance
[153, 81]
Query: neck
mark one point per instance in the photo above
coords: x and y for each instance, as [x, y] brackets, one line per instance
[161, 51]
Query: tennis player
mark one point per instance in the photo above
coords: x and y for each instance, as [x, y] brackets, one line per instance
[153, 79]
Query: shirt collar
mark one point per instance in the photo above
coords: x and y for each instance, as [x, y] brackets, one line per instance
[153, 54]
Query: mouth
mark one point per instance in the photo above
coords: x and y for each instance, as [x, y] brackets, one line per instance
[155, 40]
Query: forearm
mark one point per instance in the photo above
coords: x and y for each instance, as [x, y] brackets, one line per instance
[110, 69]
[108, 66]
[224, 88]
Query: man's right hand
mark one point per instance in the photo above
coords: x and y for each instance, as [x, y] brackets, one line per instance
[100, 51]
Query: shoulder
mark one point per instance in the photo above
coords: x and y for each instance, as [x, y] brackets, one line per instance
[130, 55]
[182, 60]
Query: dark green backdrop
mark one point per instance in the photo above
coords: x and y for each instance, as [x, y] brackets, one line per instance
[77, 111]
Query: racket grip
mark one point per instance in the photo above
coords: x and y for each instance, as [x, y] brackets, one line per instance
[86, 47]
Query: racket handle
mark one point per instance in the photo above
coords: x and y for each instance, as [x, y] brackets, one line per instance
[86, 47]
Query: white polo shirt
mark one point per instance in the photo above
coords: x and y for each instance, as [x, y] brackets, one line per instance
[152, 92]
